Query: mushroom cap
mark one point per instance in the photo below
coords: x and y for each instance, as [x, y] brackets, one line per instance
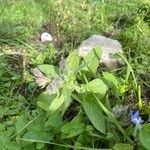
[46, 37]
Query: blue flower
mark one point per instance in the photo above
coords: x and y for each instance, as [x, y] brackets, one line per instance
[135, 118]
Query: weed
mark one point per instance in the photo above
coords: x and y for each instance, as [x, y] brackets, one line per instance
[72, 103]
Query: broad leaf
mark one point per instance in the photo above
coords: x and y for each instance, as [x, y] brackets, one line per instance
[56, 103]
[3, 141]
[40, 145]
[95, 86]
[111, 79]
[49, 70]
[20, 124]
[80, 141]
[37, 131]
[92, 60]
[38, 135]
[6, 144]
[67, 90]
[13, 146]
[73, 128]
[44, 101]
[54, 120]
[144, 136]
[63, 100]
[30, 146]
[94, 113]
[72, 61]
[122, 146]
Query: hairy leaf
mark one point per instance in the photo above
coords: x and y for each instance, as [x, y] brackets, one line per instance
[44, 101]
[72, 61]
[144, 136]
[95, 86]
[21, 123]
[73, 128]
[56, 103]
[92, 60]
[111, 79]
[54, 120]
[49, 70]
[94, 113]
[123, 146]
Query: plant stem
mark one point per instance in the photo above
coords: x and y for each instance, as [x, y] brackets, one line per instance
[109, 114]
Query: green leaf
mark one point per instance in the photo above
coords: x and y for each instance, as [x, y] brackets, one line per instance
[73, 60]
[111, 79]
[92, 60]
[54, 120]
[20, 124]
[30, 146]
[56, 103]
[40, 58]
[2, 147]
[44, 101]
[94, 113]
[37, 125]
[13, 146]
[95, 86]
[49, 70]
[73, 128]
[64, 99]
[2, 128]
[67, 90]
[5, 144]
[3, 141]
[1, 72]
[40, 145]
[122, 146]
[144, 136]
[80, 141]
[38, 135]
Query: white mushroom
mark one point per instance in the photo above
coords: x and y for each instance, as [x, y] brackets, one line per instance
[46, 37]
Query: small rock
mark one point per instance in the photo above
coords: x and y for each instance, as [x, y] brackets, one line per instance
[109, 47]
[46, 37]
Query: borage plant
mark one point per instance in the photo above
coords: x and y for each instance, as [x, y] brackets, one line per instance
[76, 86]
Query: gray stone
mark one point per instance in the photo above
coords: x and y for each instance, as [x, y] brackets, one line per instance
[109, 47]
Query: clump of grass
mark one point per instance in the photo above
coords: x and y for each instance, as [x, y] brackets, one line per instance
[19, 20]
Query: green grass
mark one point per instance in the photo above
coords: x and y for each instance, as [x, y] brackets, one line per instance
[69, 22]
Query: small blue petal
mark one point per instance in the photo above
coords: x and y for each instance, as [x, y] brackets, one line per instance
[131, 114]
[140, 120]
[134, 120]
[135, 117]
[136, 114]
